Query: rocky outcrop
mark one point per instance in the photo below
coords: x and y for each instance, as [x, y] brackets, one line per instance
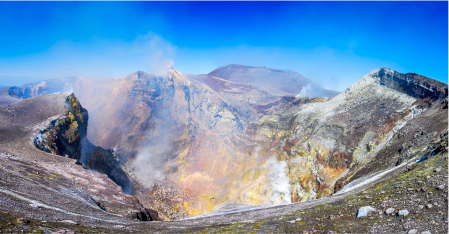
[64, 134]
[145, 215]
[411, 84]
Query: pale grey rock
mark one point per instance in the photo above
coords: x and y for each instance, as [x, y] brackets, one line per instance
[69, 222]
[363, 211]
[389, 211]
[403, 213]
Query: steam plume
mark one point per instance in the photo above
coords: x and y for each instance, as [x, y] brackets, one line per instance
[280, 183]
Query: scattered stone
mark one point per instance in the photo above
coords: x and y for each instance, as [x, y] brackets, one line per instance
[34, 205]
[410, 166]
[420, 206]
[292, 221]
[119, 226]
[403, 213]
[298, 219]
[63, 232]
[429, 206]
[435, 204]
[440, 187]
[426, 232]
[413, 231]
[22, 220]
[69, 222]
[437, 169]
[363, 211]
[389, 211]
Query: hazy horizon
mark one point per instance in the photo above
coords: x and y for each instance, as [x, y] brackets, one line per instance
[332, 43]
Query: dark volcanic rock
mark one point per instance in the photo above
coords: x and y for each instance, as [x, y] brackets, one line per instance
[413, 84]
[145, 215]
[64, 134]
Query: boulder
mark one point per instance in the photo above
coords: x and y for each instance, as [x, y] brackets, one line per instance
[154, 215]
[389, 211]
[363, 211]
[22, 220]
[63, 232]
[403, 213]
[145, 214]
[69, 222]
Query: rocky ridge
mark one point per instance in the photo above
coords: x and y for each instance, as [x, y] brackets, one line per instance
[223, 139]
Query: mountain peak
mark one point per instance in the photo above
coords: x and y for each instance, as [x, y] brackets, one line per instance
[239, 67]
[283, 82]
[412, 84]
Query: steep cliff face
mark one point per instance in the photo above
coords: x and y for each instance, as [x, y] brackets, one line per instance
[412, 84]
[63, 135]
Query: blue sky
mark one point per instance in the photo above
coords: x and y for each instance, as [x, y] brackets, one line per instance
[332, 43]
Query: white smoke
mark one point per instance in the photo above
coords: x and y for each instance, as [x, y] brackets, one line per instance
[280, 183]
[159, 53]
[311, 90]
[67, 90]
[147, 166]
[150, 162]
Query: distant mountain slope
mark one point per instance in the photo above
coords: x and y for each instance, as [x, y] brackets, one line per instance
[275, 81]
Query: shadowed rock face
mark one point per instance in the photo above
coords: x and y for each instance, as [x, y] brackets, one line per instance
[63, 135]
[412, 84]
[190, 143]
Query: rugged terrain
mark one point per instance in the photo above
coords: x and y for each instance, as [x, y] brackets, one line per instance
[186, 145]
